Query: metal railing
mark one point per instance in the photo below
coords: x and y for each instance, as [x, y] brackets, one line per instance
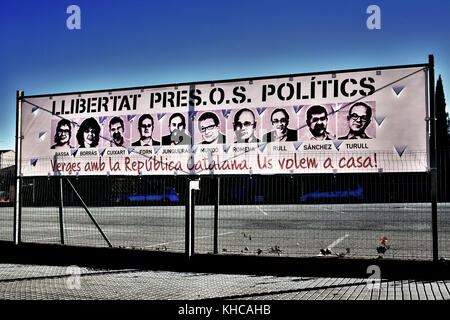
[338, 214]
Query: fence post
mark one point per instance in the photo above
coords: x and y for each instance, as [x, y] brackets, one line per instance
[18, 160]
[193, 185]
[216, 218]
[192, 192]
[61, 208]
[433, 156]
[187, 220]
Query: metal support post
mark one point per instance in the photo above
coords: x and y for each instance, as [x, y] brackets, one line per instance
[192, 220]
[216, 218]
[187, 222]
[61, 209]
[193, 185]
[433, 157]
[17, 198]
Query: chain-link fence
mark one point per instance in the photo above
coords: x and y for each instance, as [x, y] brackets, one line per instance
[7, 181]
[343, 214]
[137, 212]
[443, 186]
[338, 214]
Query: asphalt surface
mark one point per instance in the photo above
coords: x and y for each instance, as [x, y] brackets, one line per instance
[279, 230]
[267, 230]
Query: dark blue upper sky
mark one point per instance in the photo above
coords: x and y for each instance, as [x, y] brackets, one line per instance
[143, 42]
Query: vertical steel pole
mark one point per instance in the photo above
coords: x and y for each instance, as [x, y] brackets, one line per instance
[433, 156]
[189, 200]
[17, 198]
[216, 218]
[192, 221]
[187, 234]
[61, 209]
[193, 185]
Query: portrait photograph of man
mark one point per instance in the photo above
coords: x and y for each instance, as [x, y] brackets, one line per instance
[117, 132]
[320, 124]
[177, 128]
[210, 129]
[63, 134]
[279, 127]
[146, 129]
[245, 126]
[355, 122]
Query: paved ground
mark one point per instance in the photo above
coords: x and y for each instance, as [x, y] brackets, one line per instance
[40, 282]
[286, 230]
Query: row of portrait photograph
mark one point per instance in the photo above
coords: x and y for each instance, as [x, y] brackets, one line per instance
[282, 124]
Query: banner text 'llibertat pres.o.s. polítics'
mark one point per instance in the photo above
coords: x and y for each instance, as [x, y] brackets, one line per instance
[216, 96]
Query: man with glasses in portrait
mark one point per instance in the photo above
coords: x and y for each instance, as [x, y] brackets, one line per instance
[244, 126]
[280, 133]
[359, 117]
[145, 127]
[317, 121]
[63, 134]
[209, 126]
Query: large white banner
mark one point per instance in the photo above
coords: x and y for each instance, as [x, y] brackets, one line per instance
[361, 121]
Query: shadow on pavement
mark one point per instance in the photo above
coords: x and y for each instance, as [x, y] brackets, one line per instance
[118, 258]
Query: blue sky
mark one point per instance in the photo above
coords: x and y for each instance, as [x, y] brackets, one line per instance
[143, 42]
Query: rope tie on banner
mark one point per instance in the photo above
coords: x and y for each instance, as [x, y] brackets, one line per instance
[376, 90]
[236, 155]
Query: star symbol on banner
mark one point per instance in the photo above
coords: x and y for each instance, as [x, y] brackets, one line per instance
[297, 145]
[192, 114]
[73, 151]
[298, 108]
[102, 120]
[262, 146]
[42, 135]
[333, 108]
[226, 147]
[379, 120]
[337, 144]
[101, 151]
[398, 90]
[400, 150]
[226, 113]
[131, 118]
[261, 110]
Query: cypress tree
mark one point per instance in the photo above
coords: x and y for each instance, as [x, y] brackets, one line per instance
[442, 138]
[442, 144]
